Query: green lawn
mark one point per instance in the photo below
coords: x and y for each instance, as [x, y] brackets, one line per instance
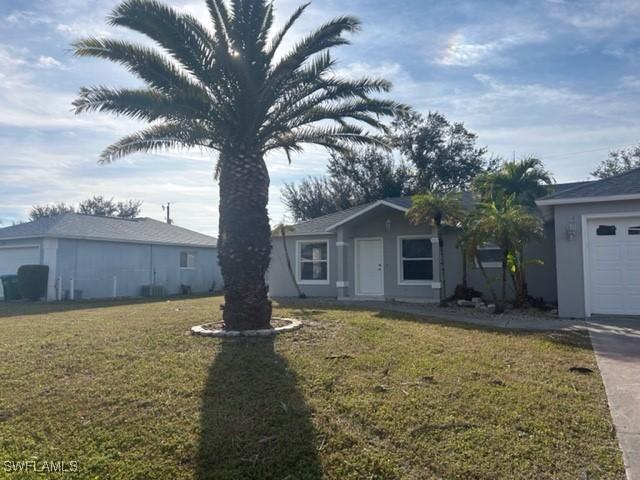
[125, 391]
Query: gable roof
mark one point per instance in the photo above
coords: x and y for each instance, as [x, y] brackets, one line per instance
[621, 187]
[323, 225]
[89, 227]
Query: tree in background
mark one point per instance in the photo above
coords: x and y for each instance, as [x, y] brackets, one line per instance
[619, 162]
[229, 88]
[51, 210]
[437, 209]
[525, 180]
[355, 177]
[444, 155]
[96, 205]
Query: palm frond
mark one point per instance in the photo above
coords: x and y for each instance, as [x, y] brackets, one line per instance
[183, 36]
[141, 104]
[279, 37]
[145, 62]
[157, 138]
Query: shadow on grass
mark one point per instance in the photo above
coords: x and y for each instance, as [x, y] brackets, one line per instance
[24, 308]
[255, 423]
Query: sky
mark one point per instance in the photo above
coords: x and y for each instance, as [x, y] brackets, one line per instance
[558, 79]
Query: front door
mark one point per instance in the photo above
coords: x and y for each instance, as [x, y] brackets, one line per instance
[369, 267]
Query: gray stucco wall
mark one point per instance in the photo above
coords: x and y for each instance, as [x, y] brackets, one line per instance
[93, 264]
[570, 267]
[542, 279]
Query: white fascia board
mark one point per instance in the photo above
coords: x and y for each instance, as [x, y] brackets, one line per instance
[570, 201]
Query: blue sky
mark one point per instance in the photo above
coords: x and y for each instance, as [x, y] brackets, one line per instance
[559, 79]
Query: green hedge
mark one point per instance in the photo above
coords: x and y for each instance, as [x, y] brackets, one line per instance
[32, 281]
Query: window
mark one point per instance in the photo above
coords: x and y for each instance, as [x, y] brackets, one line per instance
[606, 231]
[313, 262]
[634, 230]
[490, 256]
[188, 260]
[416, 260]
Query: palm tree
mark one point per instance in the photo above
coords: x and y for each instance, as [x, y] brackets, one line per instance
[437, 209]
[282, 229]
[229, 89]
[525, 180]
[509, 226]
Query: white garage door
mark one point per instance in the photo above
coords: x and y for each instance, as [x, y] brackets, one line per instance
[13, 258]
[614, 266]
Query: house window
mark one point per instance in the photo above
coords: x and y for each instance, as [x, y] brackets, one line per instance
[634, 230]
[490, 256]
[188, 260]
[313, 262]
[416, 260]
[606, 231]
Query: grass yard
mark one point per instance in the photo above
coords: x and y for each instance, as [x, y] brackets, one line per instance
[125, 391]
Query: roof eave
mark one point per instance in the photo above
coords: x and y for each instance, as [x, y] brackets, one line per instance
[366, 210]
[569, 201]
[113, 240]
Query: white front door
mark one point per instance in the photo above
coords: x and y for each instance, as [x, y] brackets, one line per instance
[369, 267]
[614, 266]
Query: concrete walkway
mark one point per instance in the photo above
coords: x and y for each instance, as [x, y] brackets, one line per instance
[617, 346]
[616, 343]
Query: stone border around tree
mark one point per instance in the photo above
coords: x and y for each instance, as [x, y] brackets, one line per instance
[206, 331]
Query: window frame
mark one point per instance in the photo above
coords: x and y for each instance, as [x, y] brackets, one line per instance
[488, 246]
[299, 261]
[400, 260]
[191, 254]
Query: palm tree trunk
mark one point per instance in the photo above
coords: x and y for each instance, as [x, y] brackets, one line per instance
[443, 278]
[244, 246]
[489, 283]
[289, 267]
[501, 307]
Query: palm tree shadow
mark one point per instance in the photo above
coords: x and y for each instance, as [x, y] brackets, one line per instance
[254, 421]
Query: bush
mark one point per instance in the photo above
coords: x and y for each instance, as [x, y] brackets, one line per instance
[32, 281]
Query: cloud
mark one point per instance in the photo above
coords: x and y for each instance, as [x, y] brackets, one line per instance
[461, 52]
[595, 15]
[48, 62]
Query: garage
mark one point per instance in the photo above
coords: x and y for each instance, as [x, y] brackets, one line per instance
[612, 261]
[12, 258]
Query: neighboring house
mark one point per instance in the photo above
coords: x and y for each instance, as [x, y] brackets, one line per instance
[105, 257]
[371, 252]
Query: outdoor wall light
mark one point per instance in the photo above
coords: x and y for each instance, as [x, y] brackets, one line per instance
[387, 225]
[572, 230]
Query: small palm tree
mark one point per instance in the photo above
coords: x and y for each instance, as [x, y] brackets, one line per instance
[282, 229]
[509, 226]
[525, 180]
[229, 89]
[437, 209]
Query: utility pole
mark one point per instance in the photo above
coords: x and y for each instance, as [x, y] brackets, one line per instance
[167, 208]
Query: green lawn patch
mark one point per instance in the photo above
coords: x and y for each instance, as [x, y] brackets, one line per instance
[124, 390]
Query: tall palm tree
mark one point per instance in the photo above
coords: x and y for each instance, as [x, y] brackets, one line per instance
[509, 226]
[229, 89]
[437, 209]
[525, 180]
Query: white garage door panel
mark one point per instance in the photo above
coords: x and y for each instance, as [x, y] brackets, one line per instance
[614, 266]
[13, 258]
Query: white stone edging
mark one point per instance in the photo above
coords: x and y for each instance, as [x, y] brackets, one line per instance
[205, 331]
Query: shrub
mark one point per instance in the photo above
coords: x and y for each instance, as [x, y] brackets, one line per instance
[32, 281]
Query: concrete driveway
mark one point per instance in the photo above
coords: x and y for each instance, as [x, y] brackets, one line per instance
[616, 342]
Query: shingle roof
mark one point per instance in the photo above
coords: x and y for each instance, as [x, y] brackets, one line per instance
[625, 184]
[139, 230]
[321, 224]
